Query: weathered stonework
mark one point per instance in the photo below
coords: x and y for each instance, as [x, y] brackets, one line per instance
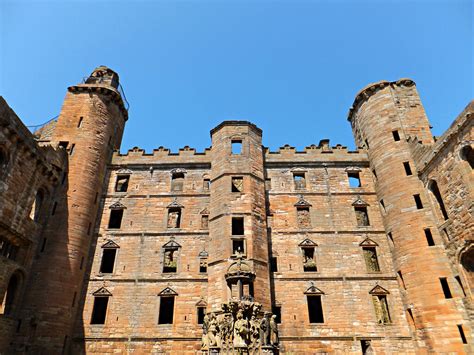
[237, 249]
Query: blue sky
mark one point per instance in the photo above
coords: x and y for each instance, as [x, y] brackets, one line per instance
[291, 67]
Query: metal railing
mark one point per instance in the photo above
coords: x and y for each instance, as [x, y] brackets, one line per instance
[34, 128]
[99, 80]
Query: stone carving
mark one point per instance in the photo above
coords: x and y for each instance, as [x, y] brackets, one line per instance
[265, 330]
[273, 330]
[241, 330]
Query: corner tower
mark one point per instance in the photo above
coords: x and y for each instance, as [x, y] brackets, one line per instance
[383, 116]
[89, 128]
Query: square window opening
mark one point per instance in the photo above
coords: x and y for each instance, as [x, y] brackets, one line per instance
[236, 146]
[170, 262]
[407, 167]
[461, 333]
[309, 260]
[174, 218]
[445, 287]
[166, 310]
[418, 203]
[108, 261]
[299, 180]
[203, 266]
[315, 309]
[371, 260]
[429, 237]
[237, 226]
[201, 312]
[273, 264]
[396, 136]
[354, 179]
[238, 246]
[177, 182]
[276, 310]
[115, 220]
[362, 216]
[204, 221]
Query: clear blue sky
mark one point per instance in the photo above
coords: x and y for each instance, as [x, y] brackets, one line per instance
[291, 67]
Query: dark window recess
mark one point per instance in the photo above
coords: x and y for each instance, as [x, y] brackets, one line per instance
[18, 326]
[11, 294]
[43, 245]
[203, 265]
[412, 318]
[71, 150]
[108, 261]
[362, 216]
[81, 264]
[204, 221]
[122, 183]
[237, 226]
[429, 237]
[315, 309]
[433, 187]
[366, 347]
[303, 217]
[299, 180]
[381, 309]
[467, 154]
[370, 257]
[276, 310]
[237, 184]
[170, 261]
[64, 343]
[238, 246]
[400, 278]
[367, 143]
[396, 136]
[63, 144]
[375, 173]
[309, 260]
[63, 180]
[96, 197]
[177, 182]
[354, 179]
[206, 184]
[445, 287]
[99, 310]
[458, 279]
[461, 333]
[390, 238]
[407, 167]
[8, 249]
[166, 310]
[174, 218]
[236, 146]
[418, 203]
[274, 264]
[79, 123]
[115, 220]
[201, 312]
[73, 303]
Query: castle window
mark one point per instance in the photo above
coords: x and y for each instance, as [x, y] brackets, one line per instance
[204, 221]
[390, 239]
[203, 265]
[237, 225]
[370, 257]
[303, 217]
[206, 184]
[315, 309]
[418, 203]
[396, 136]
[381, 309]
[299, 180]
[309, 259]
[99, 310]
[9, 299]
[3, 160]
[354, 179]
[201, 312]
[276, 310]
[122, 183]
[177, 181]
[467, 154]
[236, 146]
[71, 150]
[445, 287]
[458, 279]
[36, 207]
[115, 220]
[108, 260]
[461, 333]
[63, 144]
[174, 218]
[170, 261]
[366, 144]
[273, 264]
[237, 184]
[433, 187]
[166, 310]
[238, 246]
[407, 167]
[366, 347]
[362, 216]
[429, 237]
[79, 123]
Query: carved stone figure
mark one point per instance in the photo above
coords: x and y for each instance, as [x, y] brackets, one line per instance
[254, 332]
[264, 330]
[274, 330]
[205, 330]
[225, 330]
[241, 330]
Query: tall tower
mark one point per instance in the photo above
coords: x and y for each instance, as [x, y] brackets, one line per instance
[238, 236]
[89, 128]
[383, 116]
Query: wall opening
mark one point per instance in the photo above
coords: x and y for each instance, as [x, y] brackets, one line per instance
[407, 167]
[10, 296]
[177, 181]
[201, 312]
[315, 309]
[237, 184]
[418, 203]
[429, 237]
[237, 226]
[108, 260]
[461, 333]
[362, 216]
[354, 179]
[170, 260]
[366, 347]
[121, 184]
[99, 310]
[396, 136]
[206, 184]
[115, 220]
[274, 264]
[303, 217]
[276, 310]
[236, 146]
[445, 287]
[433, 187]
[461, 286]
[174, 218]
[381, 309]
[238, 246]
[467, 154]
[299, 181]
[309, 260]
[401, 280]
[166, 310]
[36, 207]
[371, 260]
[203, 265]
[204, 221]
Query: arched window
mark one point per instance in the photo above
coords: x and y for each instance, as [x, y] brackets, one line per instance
[433, 187]
[467, 154]
[10, 296]
[37, 204]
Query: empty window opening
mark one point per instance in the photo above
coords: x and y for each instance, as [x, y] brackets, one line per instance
[99, 310]
[315, 309]
[309, 260]
[401, 280]
[170, 260]
[236, 146]
[303, 217]
[467, 154]
[445, 287]
[115, 220]
[63, 144]
[366, 347]
[433, 187]
[238, 246]
[276, 310]
[396, 136]
[458, 279]
[203, 266]
[71, 150]
[43, 245]
[382, 204]
[273, 264]
[8, 301]
[237, 184]
[237, 226]
[166, 310]
[461, 333]
[36, 207]
[8, 250]
[177, 182]
[201, 312]
[418, 203]
[410, 317]
[122, 183]
[204, 221]
[174, 218]
[362, 216]
[370, 257]
[354, 179]
[381, 309]
[3, 159]
[108, 260]
[429, 237]
[407, 167]
[79, 123]
[299, 180]
[206, 184]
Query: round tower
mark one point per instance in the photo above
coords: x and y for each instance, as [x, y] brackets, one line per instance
[88, 129]
[383, 116]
